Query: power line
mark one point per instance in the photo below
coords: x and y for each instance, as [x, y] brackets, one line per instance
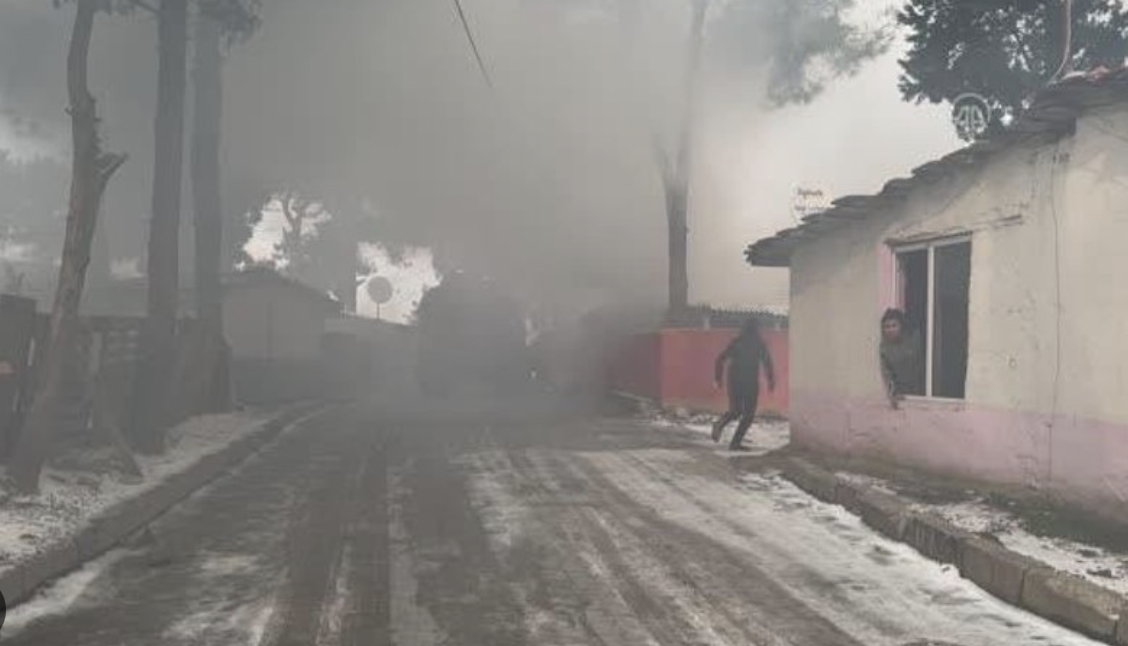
[473, 44]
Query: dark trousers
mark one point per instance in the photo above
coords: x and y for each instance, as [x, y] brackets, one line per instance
[743, 401]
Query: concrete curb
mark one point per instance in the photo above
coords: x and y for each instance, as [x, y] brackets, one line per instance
[1061, 598]
[113, 525]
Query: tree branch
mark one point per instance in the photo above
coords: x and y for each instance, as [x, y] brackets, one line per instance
[292, 219]
[108, 164]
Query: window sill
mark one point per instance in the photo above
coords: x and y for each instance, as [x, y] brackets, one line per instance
[934, 403]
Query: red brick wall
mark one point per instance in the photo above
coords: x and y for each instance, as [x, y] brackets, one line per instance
[636, 368]
[675, 367]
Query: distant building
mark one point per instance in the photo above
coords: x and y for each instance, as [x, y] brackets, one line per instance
[1007, 255]
[266, 316]
[274, 325]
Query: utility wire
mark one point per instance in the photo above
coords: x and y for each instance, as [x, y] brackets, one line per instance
[473, 44]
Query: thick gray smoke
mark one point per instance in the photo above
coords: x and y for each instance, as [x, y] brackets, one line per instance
[546, 182]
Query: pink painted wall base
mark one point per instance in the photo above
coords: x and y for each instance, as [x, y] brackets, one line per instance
[1079, 461]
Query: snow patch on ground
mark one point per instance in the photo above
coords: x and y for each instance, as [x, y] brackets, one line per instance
[215, 611]
[862, 480]
[67, 499]
[198, 437]
[1101, 567]
[881, 591]
[245, 624]
[229, 565]
[503, 511]
[60, 597]
[258, 620]
[765, 436]
[333, 612]
[411, 623]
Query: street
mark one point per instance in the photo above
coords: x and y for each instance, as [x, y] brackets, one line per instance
[371, 525]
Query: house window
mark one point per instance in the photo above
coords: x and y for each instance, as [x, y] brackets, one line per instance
[934, 281]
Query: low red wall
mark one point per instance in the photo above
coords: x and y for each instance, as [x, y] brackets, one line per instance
[637, 366]
[675, 368]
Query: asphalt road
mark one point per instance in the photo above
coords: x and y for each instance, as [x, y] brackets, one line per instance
[512, 526]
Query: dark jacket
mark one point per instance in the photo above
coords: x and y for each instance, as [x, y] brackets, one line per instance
[901, 366]
[744, 356]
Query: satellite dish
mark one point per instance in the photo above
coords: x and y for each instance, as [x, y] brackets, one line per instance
[379, 290]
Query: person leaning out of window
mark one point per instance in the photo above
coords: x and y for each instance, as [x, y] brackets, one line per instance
[900, 358]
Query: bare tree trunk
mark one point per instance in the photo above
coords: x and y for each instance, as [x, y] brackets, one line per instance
[98, 276]
[677, 206]
[91, 170]
[158, 341]
[296, 210]
[206, 136]
[100, 408]
[1061, 24]
[676, 176]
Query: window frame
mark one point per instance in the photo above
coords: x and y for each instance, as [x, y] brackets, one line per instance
[929, 245]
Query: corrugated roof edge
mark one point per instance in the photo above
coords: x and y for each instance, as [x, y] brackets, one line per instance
[1053, 112]
[260, 275]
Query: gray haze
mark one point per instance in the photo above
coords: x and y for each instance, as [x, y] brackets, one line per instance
[548, 182]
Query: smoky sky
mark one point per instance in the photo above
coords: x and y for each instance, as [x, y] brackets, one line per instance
[546, 181]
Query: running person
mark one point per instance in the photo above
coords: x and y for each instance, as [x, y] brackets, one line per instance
[743, 357]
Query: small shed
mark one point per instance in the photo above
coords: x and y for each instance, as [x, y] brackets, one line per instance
[267, 316]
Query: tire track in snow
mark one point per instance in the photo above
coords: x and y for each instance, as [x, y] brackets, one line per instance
[882, 592]
[593, 553]
[654, 578]
[315, 544]
[209, 575]
[676, 546]
[552, 568]
[713, 585]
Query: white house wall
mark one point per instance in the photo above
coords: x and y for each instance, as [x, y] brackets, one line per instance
[1047, 403]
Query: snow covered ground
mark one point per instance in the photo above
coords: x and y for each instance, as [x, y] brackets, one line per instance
[587, 532]
[1103, 567]
[765, 436]
[63, 594]
[1100, 566]
[70, 497]
[665, 542]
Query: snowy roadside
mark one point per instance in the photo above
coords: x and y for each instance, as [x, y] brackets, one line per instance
[974, 512]
[995, 530]
[86, 504]
[69, 497]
